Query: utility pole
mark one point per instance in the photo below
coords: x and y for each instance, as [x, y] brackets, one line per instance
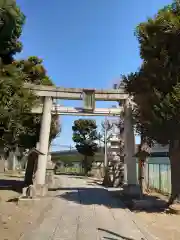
[99, 138]
[106, 175]
[105, 144]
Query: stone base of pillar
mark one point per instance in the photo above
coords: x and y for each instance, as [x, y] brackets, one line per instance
[33, 192]
[41, 190]
[132, 190]
[50, 180]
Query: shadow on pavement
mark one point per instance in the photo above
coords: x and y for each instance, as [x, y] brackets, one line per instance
[116, 235]
[112, 198]
[90, 196]
[148, 204]
[11, 184]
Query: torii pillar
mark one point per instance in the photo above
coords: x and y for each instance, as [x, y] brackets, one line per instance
[44, 142]
[131, 184]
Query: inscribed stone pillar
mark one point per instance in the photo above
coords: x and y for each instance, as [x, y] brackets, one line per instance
[44, 141]
[130, 161]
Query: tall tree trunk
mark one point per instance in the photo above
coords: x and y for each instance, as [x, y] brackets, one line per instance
[85, 167]
[174, 153]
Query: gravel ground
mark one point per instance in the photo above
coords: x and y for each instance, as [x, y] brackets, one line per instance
[16, 219]
[163, 224]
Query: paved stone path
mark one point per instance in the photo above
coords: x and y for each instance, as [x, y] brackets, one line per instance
[82, 211]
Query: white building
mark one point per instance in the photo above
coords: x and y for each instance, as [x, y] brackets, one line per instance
[158, 148]
[114, 141]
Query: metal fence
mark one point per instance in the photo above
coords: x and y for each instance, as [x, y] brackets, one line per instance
[70, 170]
[97, 171]
[158, 177]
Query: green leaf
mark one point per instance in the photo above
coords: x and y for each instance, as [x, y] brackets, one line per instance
[85, 136]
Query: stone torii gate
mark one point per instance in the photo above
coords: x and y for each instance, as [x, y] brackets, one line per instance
[90, 96]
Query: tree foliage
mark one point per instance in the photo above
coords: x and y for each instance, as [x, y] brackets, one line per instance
[15, 103]
[85, 136]
[36, 73]
[11, 22]
[29, 70]
[156, 85]
[34, 70]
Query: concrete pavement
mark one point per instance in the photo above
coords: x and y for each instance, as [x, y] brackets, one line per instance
[82, 211]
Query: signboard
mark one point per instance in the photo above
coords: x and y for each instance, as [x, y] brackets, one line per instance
[89, 100]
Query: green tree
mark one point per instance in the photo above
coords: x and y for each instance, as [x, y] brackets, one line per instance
[11, 22]
[12, 94]
[36, 73]
[156, 85]
[85, 136]
[15, 103]
[34, 70]
[18, 125]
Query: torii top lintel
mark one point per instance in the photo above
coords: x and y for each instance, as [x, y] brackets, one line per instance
[77, 93]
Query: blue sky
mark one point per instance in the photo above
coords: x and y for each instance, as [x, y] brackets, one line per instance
[84, 43]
